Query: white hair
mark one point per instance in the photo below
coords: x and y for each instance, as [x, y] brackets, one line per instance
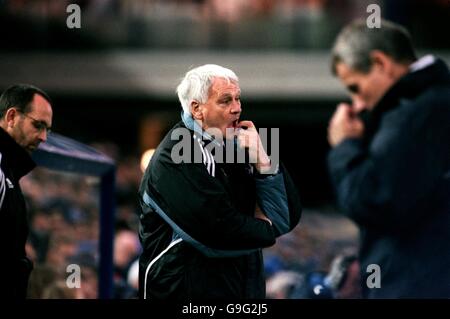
[197, 82]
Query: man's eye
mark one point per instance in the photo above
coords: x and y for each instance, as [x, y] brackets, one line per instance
[353, 88]
[39, 126]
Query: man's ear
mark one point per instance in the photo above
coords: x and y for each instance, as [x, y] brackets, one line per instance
[11, 116]
[382, 62]
[196, 110]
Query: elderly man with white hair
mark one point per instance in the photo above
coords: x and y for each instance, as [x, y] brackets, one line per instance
[205, 214]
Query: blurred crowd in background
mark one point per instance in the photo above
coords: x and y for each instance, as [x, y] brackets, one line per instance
[64, 219]
[316, 260]
[205, 24]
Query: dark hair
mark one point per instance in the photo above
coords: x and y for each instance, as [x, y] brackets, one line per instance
[20, 96]
[356, 41]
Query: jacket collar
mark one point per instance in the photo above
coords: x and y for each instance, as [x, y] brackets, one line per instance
[408, 87]
[191, 124]
[19, 160]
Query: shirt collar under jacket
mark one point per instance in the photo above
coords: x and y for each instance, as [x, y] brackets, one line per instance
[422, 63]
[193, 125]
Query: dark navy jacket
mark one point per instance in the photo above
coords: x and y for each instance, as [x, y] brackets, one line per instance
[199, 235]
[15, 268]
[395, 184]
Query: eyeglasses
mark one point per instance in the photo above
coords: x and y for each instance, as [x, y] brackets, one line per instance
[38, 125]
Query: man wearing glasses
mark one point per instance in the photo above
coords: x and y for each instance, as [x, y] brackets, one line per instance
[25, 120]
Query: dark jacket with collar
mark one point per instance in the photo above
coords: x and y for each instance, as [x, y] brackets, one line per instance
[199, 235]
[15, 268]
[395, 184]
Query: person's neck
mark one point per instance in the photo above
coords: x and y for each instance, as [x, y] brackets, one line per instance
[400, 70]
[4, 126]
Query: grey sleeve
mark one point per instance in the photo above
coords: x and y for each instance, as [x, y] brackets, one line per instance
[272, 199]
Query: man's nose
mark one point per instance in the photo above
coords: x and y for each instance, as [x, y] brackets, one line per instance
[43, 135]
[236, 107]
[358, 104]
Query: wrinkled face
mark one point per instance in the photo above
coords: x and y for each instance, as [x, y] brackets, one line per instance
[30, 129]
[365, 89]
[223, 107]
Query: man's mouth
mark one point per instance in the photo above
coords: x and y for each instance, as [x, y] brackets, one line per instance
[32, 147]
[234, 124]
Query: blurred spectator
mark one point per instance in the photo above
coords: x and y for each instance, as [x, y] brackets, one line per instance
[40, 234]
[284, 284]
[272, 264]
[89, 276]
[344, 277]
[60, 290]
[126, 249]
[61, 249]
[126, 252]
[89, 282]
[41, 277]
[133, 276]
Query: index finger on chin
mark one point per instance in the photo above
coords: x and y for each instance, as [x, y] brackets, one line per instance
[248, 124]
